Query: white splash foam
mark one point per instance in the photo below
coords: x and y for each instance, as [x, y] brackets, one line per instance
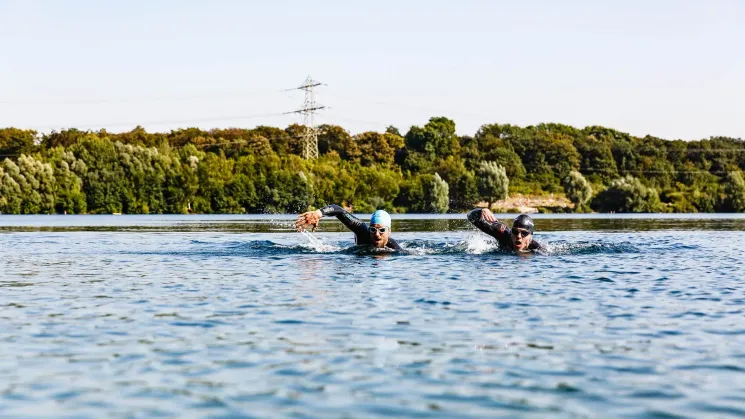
[477, 244]
[317, 245]
[419, 251]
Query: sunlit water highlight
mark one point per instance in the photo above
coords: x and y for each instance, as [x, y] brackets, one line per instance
[240, 316]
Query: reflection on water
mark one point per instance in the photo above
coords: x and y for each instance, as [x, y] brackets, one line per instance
[231, 316]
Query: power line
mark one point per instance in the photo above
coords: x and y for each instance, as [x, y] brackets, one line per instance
[703, 150]
[415, 107]
[243, 141]
[309, 109]
[360, 121]
[644, 171]
[138, 99]
[167, 122]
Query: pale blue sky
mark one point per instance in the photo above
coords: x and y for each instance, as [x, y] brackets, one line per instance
[674, 69]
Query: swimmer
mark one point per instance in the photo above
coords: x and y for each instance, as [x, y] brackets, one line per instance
[518, 239]
[377, 234]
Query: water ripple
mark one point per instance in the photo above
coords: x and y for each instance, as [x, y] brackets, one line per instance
[233, 324]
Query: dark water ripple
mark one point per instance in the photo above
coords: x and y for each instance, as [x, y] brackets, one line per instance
[629, 324]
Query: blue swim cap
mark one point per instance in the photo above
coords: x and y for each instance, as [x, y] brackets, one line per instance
[381, 217]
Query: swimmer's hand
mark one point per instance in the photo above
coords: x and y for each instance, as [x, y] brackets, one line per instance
[310, 218]
[487, 216]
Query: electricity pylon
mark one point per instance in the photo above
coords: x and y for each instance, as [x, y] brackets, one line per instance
[309, 109]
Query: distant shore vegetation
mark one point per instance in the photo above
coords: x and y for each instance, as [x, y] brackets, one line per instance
[428, 169]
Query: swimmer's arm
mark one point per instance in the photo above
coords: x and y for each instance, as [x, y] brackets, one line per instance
[534, 245]
[495, 229]
[392, 244]
[350, 221]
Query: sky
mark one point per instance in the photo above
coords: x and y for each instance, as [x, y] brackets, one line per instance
[674, 69]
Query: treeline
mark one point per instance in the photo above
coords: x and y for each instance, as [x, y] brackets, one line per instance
[427, 169]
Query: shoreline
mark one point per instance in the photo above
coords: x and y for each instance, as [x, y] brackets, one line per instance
[523, 204]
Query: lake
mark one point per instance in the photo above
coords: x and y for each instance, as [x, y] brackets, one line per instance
[240, 316]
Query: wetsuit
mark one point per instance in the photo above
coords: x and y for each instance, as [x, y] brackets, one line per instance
[359, 228]
[499, 231]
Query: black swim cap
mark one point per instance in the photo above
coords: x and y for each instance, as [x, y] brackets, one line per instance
[524, 221]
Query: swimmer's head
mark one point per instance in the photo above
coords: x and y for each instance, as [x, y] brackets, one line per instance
[381, 217]
[380, 228]
[522, 232]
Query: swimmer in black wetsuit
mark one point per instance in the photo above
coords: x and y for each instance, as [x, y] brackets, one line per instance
[377, 234]
[517, 239]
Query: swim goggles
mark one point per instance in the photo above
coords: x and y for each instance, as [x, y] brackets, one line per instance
[521, 232]
[380, 230]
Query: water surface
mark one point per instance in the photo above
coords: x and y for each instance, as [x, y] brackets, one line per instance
[626, 316]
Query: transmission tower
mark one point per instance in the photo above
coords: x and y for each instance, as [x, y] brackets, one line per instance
[309, 109]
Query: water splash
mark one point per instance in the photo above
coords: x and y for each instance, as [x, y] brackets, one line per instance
[419, 247]
[477, 244]
[585, 248]
[317, 245]
[472, 245]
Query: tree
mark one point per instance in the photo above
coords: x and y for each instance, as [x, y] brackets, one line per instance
[104, 179]
[260, 169]
[424, 194]
[336, 138]
[492, 181]
[376, 188]
[27, 187]
[578, 189]
[11, 196]
[64, 138]
[14, 141]
[596, 157]
[281, 141]
[375, 148]
[437, 137]
[439, 196]
[463, 190]
[392, 130]
[734, 200]
[493, 142]
[627, 194]
[69, 191]
[215, 173]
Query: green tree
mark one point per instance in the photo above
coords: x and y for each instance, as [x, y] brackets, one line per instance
[14, 141]
[437, 193]
[380, 149]
[283, 142]
[215, 173]
[494, 143]
[336, 138]
[69, 192]
[29, 185]
[64, 138]
[260, 169]
[578, 190]
[627, 194]
[463, 189]
[424, 194]
[11, 196]
[104, 179]
[734, 200]
[436, 139]
[493, 183]
[596, 157]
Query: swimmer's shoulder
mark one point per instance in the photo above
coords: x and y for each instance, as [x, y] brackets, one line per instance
[392, 244]
[537, 246]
